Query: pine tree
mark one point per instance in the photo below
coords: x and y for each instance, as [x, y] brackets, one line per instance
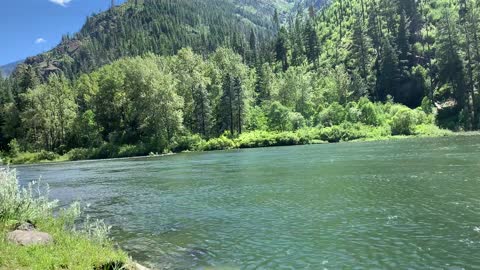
[281, 48]
[312, 43]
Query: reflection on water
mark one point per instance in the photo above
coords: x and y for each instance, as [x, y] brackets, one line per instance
[402, 204]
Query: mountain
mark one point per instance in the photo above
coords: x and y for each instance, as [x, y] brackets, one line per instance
[159, 26]
[164, 27]
[7, 70]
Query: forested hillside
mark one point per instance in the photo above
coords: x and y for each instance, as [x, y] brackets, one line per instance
[359, 69]
[159, 26]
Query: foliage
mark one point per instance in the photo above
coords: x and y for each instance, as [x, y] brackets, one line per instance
[349, 74]
[20, 204]
[220, 143]
[13, 148]
[403, 122]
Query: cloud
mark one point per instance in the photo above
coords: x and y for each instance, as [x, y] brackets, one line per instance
[40, 41]
[62, 3]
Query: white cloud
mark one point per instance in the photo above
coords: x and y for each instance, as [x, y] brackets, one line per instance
[40, 41]
[62, 3]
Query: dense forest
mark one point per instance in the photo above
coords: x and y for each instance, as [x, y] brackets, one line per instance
[162, 75]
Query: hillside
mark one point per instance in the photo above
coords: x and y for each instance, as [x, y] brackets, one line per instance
[162, 27]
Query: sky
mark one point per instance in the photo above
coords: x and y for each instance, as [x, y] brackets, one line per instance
[29, 27]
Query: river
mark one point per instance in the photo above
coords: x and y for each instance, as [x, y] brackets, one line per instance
[412, 203]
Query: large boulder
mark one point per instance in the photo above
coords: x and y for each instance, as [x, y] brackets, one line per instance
[27, 238]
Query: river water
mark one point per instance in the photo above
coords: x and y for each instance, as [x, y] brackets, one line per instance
[412, 203]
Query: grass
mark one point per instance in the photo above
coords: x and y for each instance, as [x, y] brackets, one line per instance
[77, 246]
[72, 250]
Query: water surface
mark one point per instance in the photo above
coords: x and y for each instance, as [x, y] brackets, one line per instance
[411, 203]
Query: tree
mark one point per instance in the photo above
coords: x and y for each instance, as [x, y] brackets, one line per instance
[281, 48]
[278, 117]
[387, 73]
[312, 43]
[49, 113]
[360, 50]
[450, 64]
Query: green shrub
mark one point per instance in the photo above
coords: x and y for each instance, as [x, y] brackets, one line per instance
[297, 121]
[46, 155]
[255, 139]
[335, 114]
[331, 134]
[427, 105]
[188, 143]
[14, 148]
[21, 204]
[131, 151]
[220, 143]
[107, 150]
[80, 154]
[403, 123]
[368, 113]
[431, 130]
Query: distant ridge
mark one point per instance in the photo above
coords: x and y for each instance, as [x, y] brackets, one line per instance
[7, 70]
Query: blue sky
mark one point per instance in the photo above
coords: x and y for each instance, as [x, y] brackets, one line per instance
[29, 27]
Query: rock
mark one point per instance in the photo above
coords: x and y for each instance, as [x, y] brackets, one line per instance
[27, 238]
[27, 226]
[197, 252]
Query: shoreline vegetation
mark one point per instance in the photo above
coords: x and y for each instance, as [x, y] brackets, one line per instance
[257, 139]
[77, 244]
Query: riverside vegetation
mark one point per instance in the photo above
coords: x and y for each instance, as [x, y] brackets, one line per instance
[77, 245]
[350, 70]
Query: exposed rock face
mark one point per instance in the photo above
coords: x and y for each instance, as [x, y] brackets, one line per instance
[27, 238]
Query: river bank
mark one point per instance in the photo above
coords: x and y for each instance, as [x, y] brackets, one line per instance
[255, 139]
[32, 237]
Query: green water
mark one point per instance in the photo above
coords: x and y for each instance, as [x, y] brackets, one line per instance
[383, 205]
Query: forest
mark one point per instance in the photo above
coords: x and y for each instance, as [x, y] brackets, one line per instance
[360, 69]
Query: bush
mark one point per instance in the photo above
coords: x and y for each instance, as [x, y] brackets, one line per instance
[403, 123]
[188, 143]
[46, 155]
[335, 114]
[80, 154]
[221, 143]
[21, 204]
[347, 132]
[331, 134]
[431, 130]
[107, 150]
[14, 148]
[368, 113]
[131, 151]
[297, 121]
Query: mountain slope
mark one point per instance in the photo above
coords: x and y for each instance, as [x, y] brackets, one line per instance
[162, 27]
